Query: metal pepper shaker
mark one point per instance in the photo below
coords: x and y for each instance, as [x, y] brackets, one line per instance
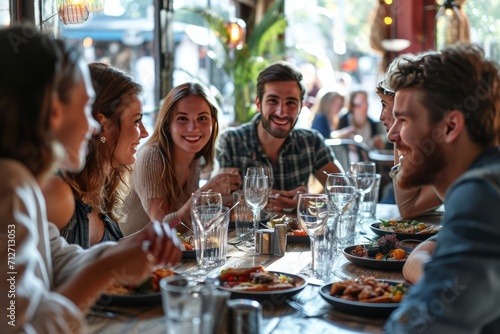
[279, 239]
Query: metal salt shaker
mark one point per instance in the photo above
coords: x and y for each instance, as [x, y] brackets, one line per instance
[279, 239]
[244, 316]
[263, 241]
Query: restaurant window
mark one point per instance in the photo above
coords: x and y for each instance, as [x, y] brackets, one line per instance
[122, 35]
[4, 13]
[484, 25]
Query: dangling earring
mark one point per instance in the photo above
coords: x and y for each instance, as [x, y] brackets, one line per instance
[103, 139]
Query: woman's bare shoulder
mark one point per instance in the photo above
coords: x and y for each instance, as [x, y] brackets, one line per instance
[60, 201]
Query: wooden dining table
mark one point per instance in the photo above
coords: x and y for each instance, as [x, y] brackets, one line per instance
[276, 317]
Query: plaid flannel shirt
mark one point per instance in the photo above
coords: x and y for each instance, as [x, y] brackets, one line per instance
[303, 153]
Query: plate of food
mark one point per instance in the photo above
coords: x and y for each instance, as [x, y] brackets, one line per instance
[364, 296]
[144, 294]
[295, 234]
[405, 229]
[259, 284]
[187, 245]
[384, 253]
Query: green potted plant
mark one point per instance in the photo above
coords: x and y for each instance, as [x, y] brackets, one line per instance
[242, 65]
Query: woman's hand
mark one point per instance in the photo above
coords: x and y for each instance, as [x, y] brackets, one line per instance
[133, 258]
[224, 183]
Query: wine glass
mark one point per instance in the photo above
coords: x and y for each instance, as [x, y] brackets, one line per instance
[268, 171]
[312, 214]
[343, 198]
[205, 206]
[256, 189]
[263, 170]
[365, 173]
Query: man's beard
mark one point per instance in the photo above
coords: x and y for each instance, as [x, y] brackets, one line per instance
[278, 133]
[422, 169]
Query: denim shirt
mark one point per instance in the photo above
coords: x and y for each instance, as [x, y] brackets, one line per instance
[460, 289]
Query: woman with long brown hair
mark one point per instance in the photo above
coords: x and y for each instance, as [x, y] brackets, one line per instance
[168, 166]
[86, 206]
[45, 123]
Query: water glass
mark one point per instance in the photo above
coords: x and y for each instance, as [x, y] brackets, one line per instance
[368, 207]
[346, 226]
[212, 253]
[326, 246]
[182, 305]
[312, 215]
[344, 202]
[205, 207]
[243, 219]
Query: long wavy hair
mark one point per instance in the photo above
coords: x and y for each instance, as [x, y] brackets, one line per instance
[103, 184]
[28, 85]
[162, 137]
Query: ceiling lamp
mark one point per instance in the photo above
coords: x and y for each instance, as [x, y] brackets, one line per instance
[451, 24]
[77, 11]
[73, 11]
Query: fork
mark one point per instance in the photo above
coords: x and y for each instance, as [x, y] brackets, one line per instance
[306, 312]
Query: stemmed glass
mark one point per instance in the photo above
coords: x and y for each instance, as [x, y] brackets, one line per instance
[263, 170]
[343, 197]
[205, 206]
[365, 173]
[312, 214]
[256, 190]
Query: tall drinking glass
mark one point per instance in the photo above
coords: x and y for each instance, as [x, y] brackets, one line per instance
[365, 173]
[312, 214]
[343, 199]
[205, 206]
[256, 190]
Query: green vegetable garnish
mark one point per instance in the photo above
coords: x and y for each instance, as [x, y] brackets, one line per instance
[385, 222]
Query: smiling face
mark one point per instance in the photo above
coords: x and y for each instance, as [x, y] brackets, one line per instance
[192, 124]
[280, 107]
[422, 156]
[132, 130]
[77, 124]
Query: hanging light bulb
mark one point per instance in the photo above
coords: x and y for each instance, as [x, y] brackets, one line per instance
[236, 31]
[73, 11]
[449, 24]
